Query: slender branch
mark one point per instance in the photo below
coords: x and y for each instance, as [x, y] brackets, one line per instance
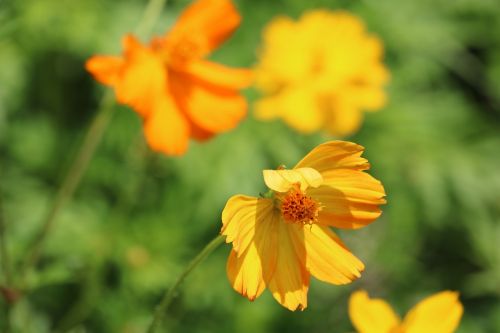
[4, 253]
[87, 149]
[161, 309]
[73, 177]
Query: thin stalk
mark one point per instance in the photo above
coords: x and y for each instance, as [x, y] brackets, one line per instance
[161, 309]
[87, 149]
[4, 253]
[73, 177]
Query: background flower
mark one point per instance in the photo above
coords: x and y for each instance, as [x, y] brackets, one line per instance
[169, 84]
[320, 72]
[439, 313]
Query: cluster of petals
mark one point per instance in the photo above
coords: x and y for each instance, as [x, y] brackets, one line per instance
[320, 72]
[439, 313]
[280, 240]
[169, 83]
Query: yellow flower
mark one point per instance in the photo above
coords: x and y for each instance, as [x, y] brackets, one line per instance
[320, 72]
[280, 240]
[439, 313]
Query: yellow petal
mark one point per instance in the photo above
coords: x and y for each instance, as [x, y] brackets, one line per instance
[241, 216]
[344, 117]
[297, 106]
[371, 315]
[251, 225]
[350, 198]
[327, 259]
[335, 155]
[290, 281]
[283, 180]
[245, 273]
[439, 313]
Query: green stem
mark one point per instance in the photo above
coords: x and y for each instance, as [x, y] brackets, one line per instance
[73, 177]
[87, 149]
[161, 309]
[4, 253]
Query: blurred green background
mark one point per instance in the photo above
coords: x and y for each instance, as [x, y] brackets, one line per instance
[138, 218]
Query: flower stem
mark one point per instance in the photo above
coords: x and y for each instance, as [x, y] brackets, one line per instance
[87, 149]
[73, 177]
[161, 309]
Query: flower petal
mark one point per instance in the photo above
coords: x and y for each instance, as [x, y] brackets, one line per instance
[251, 225]
[290, 281]
[298, 108]
[439, 313]
[212, 109]
[371, 315]
[240, 218]
[327, 259]
[245, 273]
[344, 118]
[165, 128]
[350, 198]
[283, 180]
[105, 69]
[335, 155]
[143, 78]
[206, 23]
[218, 75]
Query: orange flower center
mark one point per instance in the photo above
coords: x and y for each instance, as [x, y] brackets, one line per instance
[296, 207]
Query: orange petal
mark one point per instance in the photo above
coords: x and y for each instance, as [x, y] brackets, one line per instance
[372, 315]
[290, 281]
[214, 110]
[251, 225]
[211, 73]
[166, 129]
[206, 23]
[439, 313]
[335, 155]
[143, 79]
[327, 259]
[283, 180]
[105, 69]
[350, 198]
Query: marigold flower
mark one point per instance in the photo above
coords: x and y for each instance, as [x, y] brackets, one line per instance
[320, 72]
[439, 313]
[280, 240]
[171, 86]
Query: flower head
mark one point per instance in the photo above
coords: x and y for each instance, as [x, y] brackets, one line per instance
[281, 240]
[320, 72]
[439, 313]
[171, 86]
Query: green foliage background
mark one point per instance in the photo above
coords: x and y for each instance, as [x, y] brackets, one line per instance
[138, 218]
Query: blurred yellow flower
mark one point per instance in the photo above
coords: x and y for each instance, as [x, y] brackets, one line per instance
[320, 72]
[439, 313]
[281, 239]
[169, 83]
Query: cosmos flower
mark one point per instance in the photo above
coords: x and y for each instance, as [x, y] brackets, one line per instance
[283, 238]
[439, 313]
[178, 93]
[320, 72]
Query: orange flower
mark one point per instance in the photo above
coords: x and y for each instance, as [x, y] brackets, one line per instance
[283, 238]
[439, 313]
[169, 84]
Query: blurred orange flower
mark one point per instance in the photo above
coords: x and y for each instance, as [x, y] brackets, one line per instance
[281, 239]
[320, 72]
[171, 86]
[439, 313]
